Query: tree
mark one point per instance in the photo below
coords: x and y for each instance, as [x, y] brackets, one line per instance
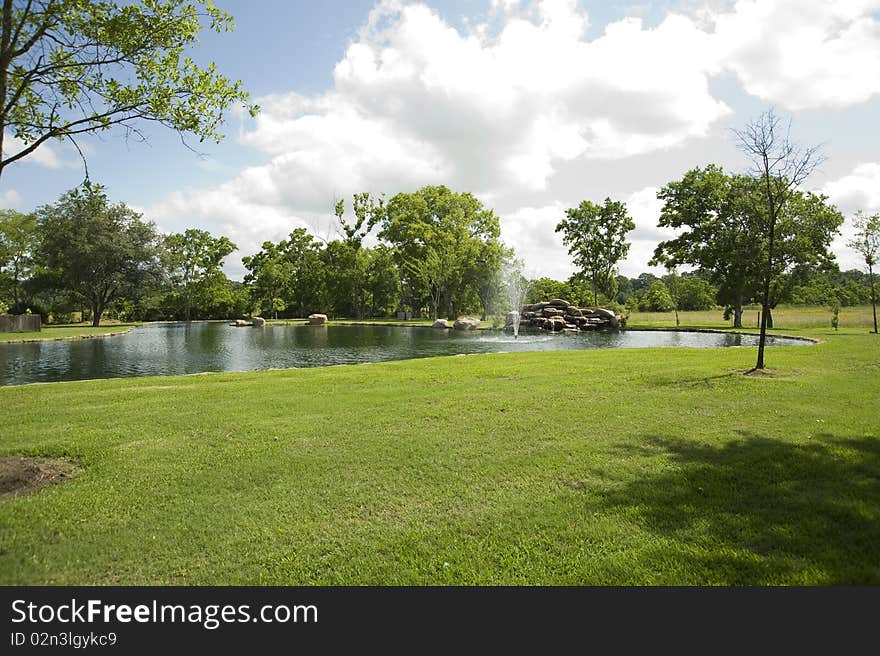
[346, 260]
[99, 252]
[368, 211]
[544, 289]
[713, 214]
[383, 280]
[695, 293]
[71, 67]
[437, 233]
[657, 298]
[290, 272]
[596, 240]
[867, 243]
[18, 238]
[192, 261]
[779, 166]
[674, 287]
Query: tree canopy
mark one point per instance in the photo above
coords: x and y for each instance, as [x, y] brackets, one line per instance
[596, 240]
[712, 213]
[192, 260]
[18, 239]
[70, 67]
[446, 243]
[96, 250]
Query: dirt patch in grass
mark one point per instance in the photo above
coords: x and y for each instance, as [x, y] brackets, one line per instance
[20, 475]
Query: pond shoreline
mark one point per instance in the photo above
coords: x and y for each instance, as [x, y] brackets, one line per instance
[32, 340]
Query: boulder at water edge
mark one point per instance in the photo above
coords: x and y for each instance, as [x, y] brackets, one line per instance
[317, 319]
[259, 322]
[441, 323]
[466, 323]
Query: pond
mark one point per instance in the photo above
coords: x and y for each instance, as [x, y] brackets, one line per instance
[181, 348]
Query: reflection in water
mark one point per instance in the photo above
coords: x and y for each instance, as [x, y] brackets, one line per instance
[168, 349]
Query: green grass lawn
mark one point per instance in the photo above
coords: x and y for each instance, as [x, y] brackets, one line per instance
[784, 317]
[642, 466]
[67, 332]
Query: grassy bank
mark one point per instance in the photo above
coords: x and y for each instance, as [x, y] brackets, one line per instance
[73, 331]
[643, 466]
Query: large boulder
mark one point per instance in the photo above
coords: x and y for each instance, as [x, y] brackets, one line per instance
[441, 323]
[559, 303]
[317, 319]
[466, 323]
[240, 323]
[258, 322]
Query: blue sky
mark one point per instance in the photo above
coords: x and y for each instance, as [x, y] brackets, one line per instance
[532, 106]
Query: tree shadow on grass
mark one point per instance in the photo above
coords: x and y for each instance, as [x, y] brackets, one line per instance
[762, 511]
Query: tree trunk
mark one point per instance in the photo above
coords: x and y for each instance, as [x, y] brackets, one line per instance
[769, 318]
[873, 296]
[450, 310]
[738, 312]
[97, 311]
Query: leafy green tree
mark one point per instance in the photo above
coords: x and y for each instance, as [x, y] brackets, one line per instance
[695, 293]
[674, 287]
[596, 240]
[346, 260]
[18, 238]
[71, 67]
[545, 289]
[867, 242]
[713, 214]
[484, 273]
[192, 261]
[383, 280]
[436, 234]
[368, 212]
[97, 251]
[291, 270]
[657, 298]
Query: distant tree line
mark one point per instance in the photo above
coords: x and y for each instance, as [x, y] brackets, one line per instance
[436, 253]
[430, 253]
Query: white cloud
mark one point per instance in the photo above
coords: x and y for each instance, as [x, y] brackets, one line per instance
[47, 154]
[10, 199]
[803, 55]
[533, 229]
[858, 190]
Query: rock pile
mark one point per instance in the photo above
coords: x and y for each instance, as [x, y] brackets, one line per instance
[558, 315]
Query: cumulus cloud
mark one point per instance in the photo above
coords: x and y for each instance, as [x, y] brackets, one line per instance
[803, 55]
[503, 107]
[10, 199]
[533, 230]
[858, 190]
[47, 154]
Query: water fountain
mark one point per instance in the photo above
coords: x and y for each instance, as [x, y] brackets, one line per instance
[517, 288]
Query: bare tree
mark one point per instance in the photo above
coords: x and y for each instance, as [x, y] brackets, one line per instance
[779, 166]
